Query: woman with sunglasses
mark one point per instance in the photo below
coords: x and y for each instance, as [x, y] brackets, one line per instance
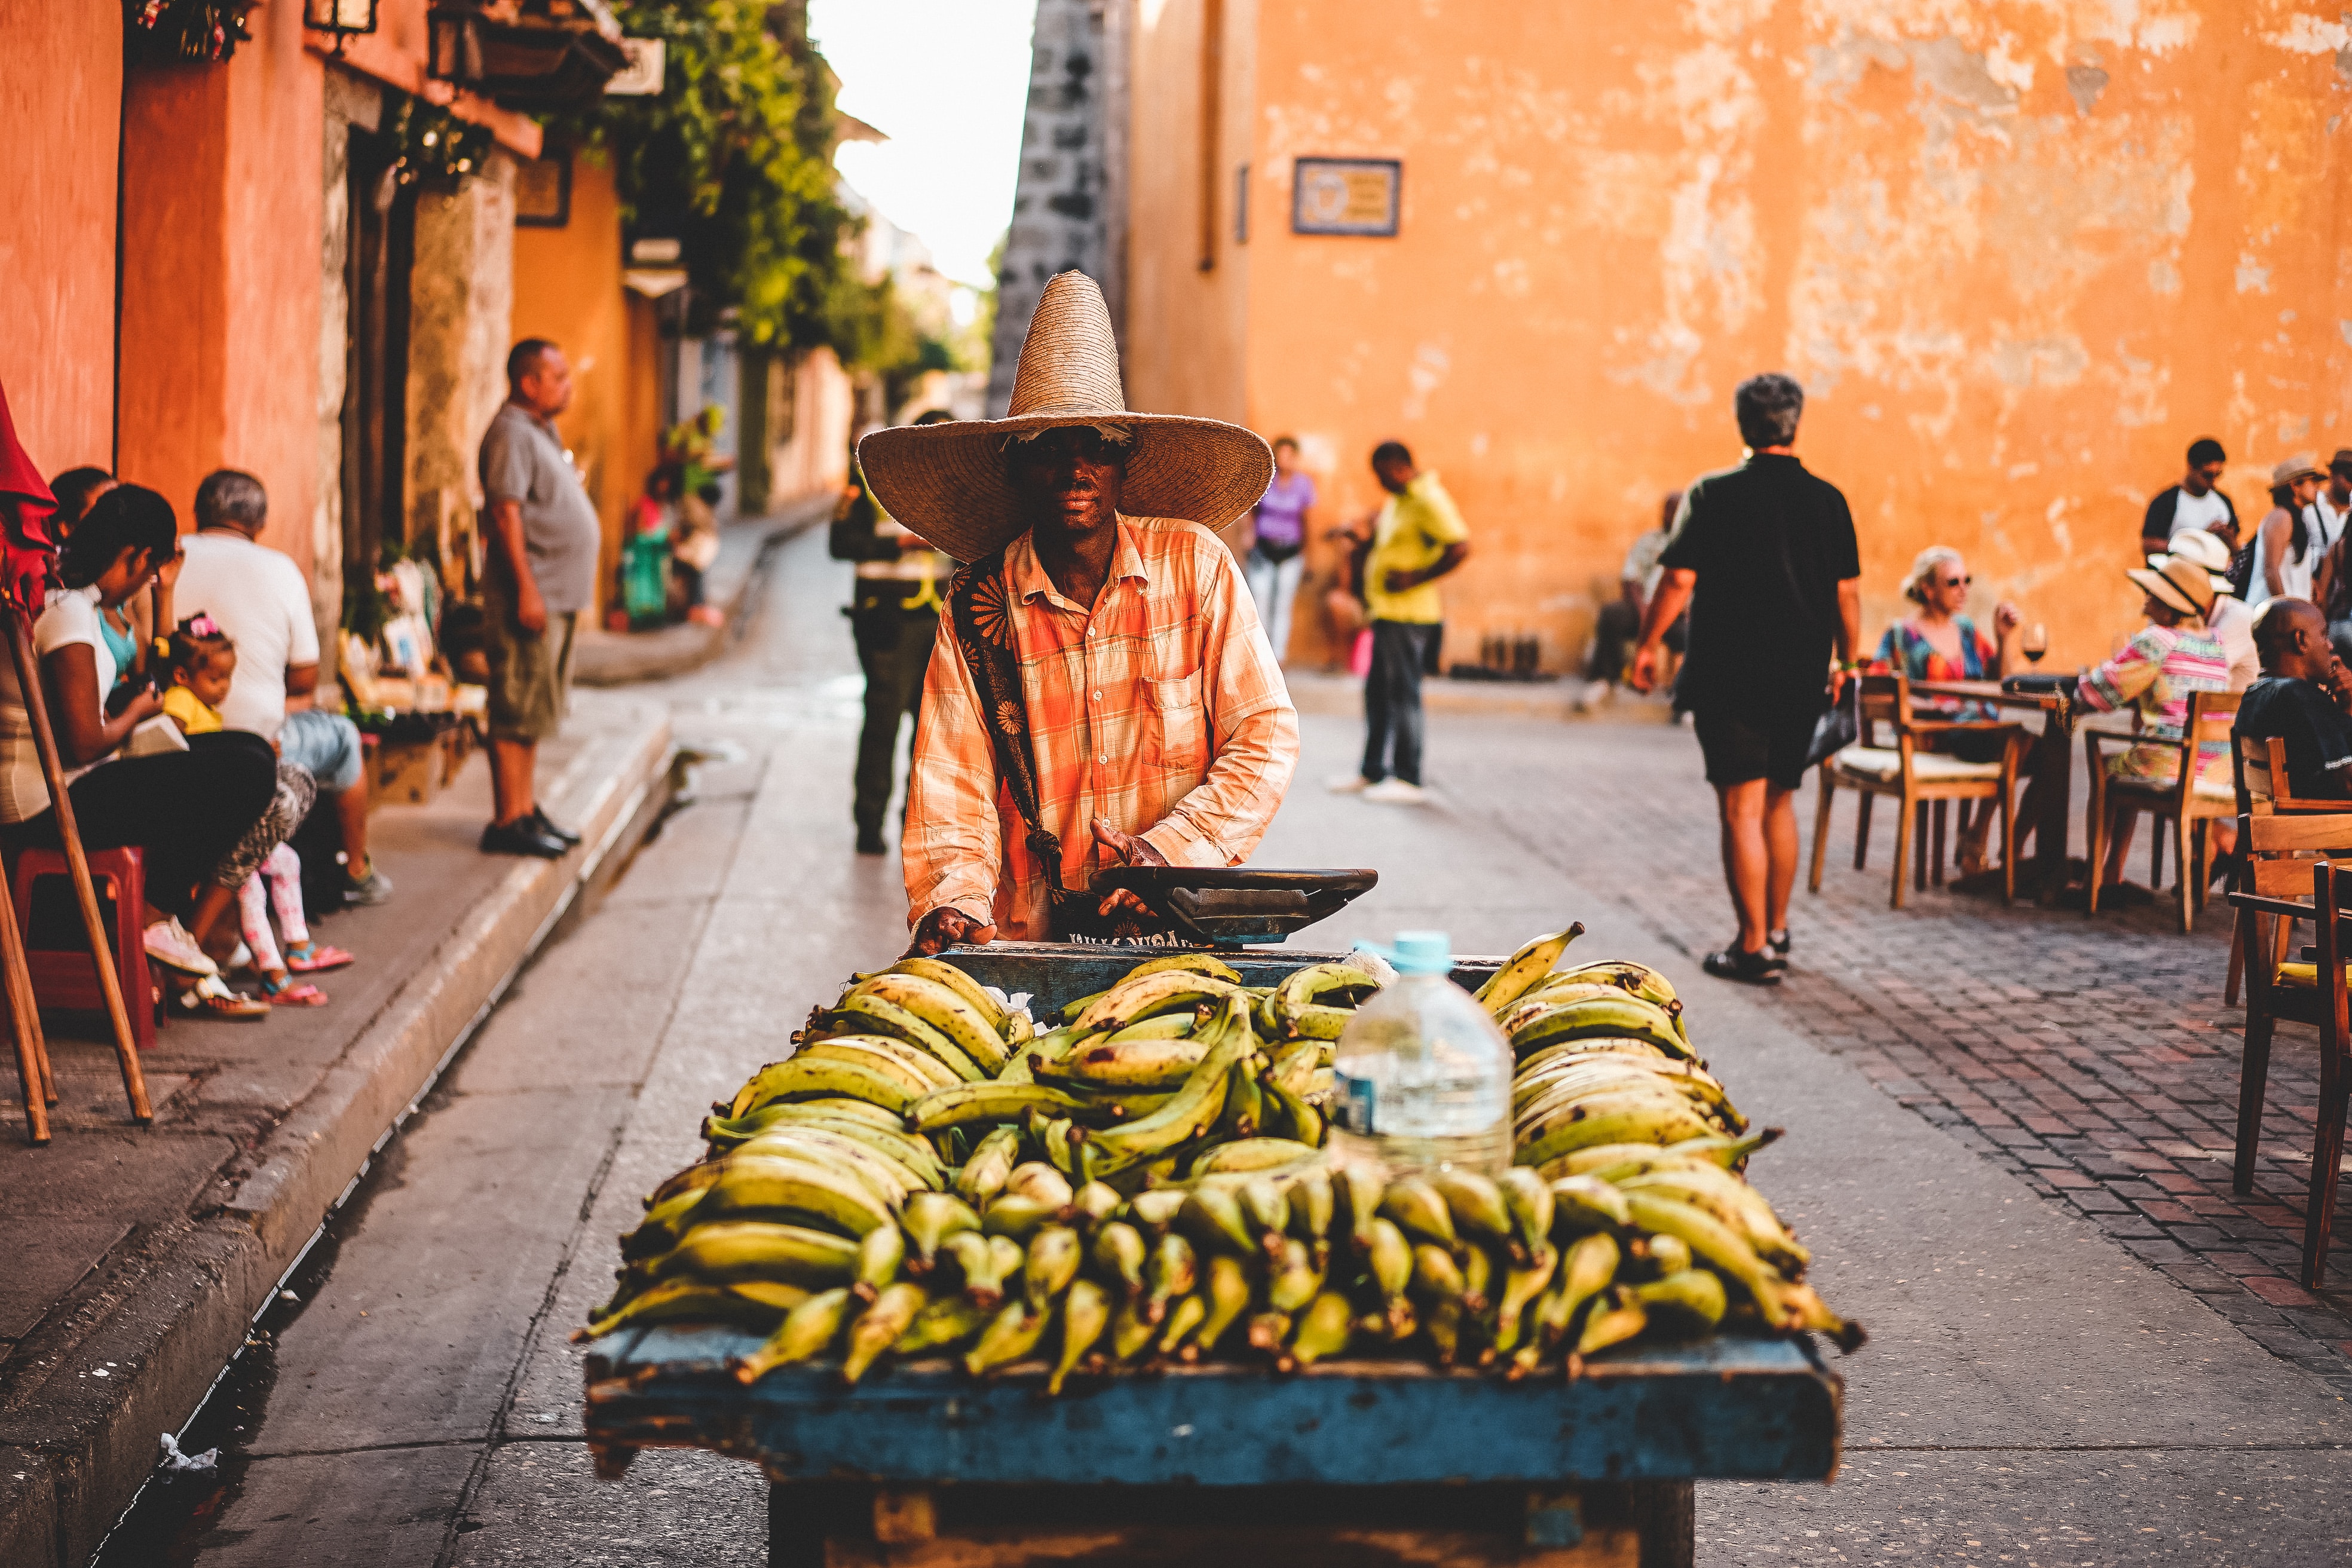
[1938, 642]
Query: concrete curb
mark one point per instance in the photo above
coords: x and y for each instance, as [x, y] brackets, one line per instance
[610, 659]
[74, 1450]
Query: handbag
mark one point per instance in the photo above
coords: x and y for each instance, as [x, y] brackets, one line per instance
[1840, 725]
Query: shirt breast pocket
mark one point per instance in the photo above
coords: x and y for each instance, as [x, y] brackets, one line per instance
[1179, 722]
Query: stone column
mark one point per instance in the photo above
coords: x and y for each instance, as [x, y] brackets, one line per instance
[461, 309]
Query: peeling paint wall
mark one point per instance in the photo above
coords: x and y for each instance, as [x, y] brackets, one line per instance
[2019, 252]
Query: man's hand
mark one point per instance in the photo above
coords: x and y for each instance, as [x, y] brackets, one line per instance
[1838, 677]
[169, 572]
[946, 927]
[1130, 849]
[1643, 676]
[530, 609]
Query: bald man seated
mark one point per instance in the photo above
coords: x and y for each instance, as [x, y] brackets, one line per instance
[2304, 699]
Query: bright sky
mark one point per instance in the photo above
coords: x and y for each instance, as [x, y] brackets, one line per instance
[948, 81]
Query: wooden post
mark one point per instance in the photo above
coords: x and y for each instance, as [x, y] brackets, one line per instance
[101, 949]
[24, 1023]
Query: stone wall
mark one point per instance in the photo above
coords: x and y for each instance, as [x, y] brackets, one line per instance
[1059, 207]
[461, 309]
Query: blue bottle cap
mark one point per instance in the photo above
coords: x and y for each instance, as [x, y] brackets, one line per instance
[1417, 952]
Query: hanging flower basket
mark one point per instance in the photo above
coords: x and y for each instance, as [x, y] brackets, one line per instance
[166, 32]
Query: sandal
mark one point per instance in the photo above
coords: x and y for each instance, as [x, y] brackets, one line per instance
[1748, 968]
[310, 958]
[284, 991]
[208, 999]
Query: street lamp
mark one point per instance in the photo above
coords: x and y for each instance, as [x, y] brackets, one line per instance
[344, 19]
[524, 60]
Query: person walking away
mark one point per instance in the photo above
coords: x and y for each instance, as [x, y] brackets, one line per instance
[259, 597]
[1764, 557]
[2289, 542]
[1101, 693]
[2174, 655]
[2194, 503]
[191, 812]
[1938, 642]
[540, 575]
[2229, 620]
[1417, 538]
[2305, 699]
[894, 618]
[1278, 557]
[203, 666]
[1618, 625]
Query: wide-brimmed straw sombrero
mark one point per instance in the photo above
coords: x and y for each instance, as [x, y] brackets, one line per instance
[946, 482]
[2177, 581]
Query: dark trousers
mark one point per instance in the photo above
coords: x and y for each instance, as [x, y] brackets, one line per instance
[894, 648]
[1402, 651]
[186, 809]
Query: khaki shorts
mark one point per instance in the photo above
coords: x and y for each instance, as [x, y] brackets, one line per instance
[531, 676]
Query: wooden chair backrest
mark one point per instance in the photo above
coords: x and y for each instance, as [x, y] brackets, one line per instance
[2208, 711]
[1885, 698]
[2266, 784]
[2277, 835]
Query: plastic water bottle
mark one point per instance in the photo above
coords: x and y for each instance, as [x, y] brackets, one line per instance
[1424, 1077]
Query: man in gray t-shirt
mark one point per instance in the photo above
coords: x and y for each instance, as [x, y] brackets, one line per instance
[542, 573]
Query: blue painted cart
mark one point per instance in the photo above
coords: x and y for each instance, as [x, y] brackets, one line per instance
[1354, 1462]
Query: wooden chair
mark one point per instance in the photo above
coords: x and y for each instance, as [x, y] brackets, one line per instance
[2279, 866]
[2260, 774]
[2185, 803]
[1916, 776]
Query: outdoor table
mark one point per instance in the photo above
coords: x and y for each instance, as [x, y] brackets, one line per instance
[1353, 1461]
[2054, 765]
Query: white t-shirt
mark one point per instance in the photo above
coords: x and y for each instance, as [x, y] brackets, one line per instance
[2197, 512]
[259, 597]
[2233, 624]
[71, 618]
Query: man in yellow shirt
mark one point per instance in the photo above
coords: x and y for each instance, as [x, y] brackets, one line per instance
[1417, 538]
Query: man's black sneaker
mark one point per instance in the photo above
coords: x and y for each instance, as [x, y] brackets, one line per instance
[1748, 968]
[522, 836]
[539, 819]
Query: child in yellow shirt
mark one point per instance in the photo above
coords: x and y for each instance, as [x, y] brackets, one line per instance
[203, 661]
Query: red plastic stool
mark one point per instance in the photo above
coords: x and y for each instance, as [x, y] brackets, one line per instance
[67, 977]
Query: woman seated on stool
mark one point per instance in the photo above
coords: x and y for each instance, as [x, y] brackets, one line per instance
[2172, 656]
[187, 810]
[1939, 643]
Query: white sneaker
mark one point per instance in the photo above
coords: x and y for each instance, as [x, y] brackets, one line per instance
[168, 943]
[1347, 784]
[1396, 792]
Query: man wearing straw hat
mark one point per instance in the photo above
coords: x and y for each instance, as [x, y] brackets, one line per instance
[1100, 693]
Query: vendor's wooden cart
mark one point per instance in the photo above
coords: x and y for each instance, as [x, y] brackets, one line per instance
[1384, 1461]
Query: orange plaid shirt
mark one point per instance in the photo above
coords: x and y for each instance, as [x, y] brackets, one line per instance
[1163, 710]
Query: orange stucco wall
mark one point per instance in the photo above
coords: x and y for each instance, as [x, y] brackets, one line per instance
[567, 287]
[61, 72]
[221, 275]
[2020, 253]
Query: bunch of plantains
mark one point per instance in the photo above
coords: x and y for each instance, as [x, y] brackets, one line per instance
[1146, 1182]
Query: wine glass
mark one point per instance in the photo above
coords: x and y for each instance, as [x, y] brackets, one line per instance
[2036, 643]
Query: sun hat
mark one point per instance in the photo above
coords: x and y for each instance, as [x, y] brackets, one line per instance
[946, 482]
[2177, 581]
[2195, 544]
[2343, 459]
[2299, 466]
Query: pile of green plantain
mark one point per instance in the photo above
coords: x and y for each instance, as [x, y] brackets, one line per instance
[1146, 1182]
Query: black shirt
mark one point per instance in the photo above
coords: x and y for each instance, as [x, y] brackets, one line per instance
[2318, 735]
[1770, 543]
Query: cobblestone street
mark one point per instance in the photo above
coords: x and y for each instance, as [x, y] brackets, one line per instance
[2092, 1058]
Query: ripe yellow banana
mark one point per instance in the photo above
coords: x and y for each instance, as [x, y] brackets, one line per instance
[1693, 1296]
[1228, 1292]
[990, 1103]
[974, 994]
[929, 1219]
[1291, 1280]
[1311, 1205]
[1532, 1205]
[1587, 1202]
[1547, 996]
[889, 1182]
[1117, 1254]
[1657, 1116]
[984, 1175]
[879, 1327]
[944, 1009]
[823, 1192]
[1192, 1111]
[1207, 964]
[1525, 967]
[1420, 1211]
[947, 1321]
[1324, 1330]
[862, 1014]
[803, 1080]
[807, 1330]
[1521, 1287]
[1733, 1202]
[1711, 1239]
[1340, 986]
[879, 1256]
[1150, 994]
[1035, 1179]
[1585, 1270]
[919, 1070]
[1085, 1314]
[1212, 1218]
[1012, 1334]
[679, 1300]
[1624, 1016]
[1188, 1314]
[1251, 1154]
[907, 1162]
[1475, 1202]
[1172, 1272]
[1142, 1064]
[1616, 1320]
[1017, 1217]
[1053, 1262]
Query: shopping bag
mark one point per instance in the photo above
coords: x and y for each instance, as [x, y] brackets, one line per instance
[1839, 727]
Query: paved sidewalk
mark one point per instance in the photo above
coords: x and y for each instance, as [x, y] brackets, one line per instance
[139, 1257]
[626, 658]
[2093, 1059]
